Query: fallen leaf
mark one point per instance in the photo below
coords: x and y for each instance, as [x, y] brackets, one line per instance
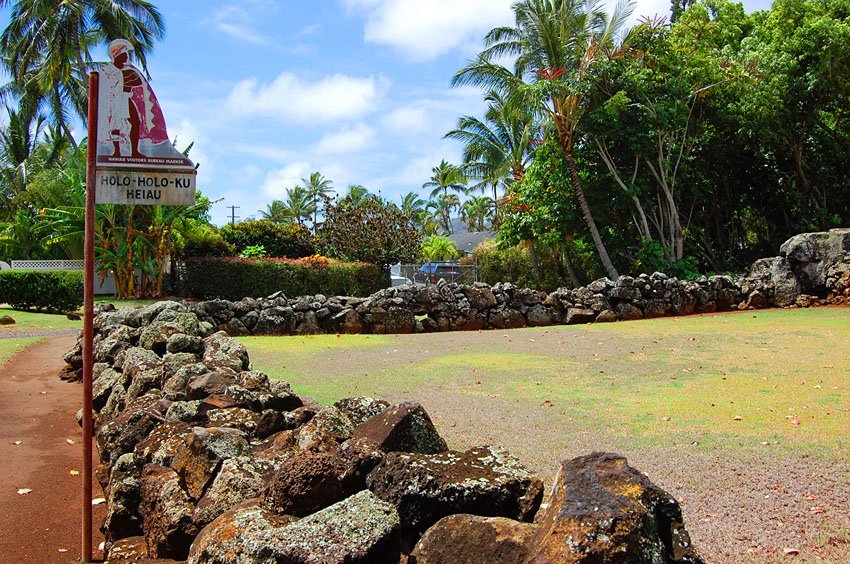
[16, 443]
[70, 441]
[74, 472]
[665, 419]
[737, 418]
[24, 491]
[791, 551]
[98, 501]
[62, 550]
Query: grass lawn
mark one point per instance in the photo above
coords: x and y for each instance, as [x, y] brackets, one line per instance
[11, 347]
[750, 380]
[38, 321]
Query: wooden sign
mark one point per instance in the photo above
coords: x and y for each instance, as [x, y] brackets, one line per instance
[136, 161]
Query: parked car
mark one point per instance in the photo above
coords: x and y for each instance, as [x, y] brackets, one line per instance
[432, 272]
[399, 280]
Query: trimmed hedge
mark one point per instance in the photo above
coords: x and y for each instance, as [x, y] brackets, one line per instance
[237, 278]
[48, 290]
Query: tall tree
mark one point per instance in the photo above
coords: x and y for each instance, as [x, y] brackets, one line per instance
[498, 148]
[298, 205]
[476, 211]
[556, 45]
[277, 211]
[446, 177]
[47, 46]
[318, 187]
[443, 205]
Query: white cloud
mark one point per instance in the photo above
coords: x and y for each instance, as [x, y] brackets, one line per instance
[349, 140]
[291, 99]
[278, 181]
[238, 20]
[407, 119]
[424, 30]
[185, 133]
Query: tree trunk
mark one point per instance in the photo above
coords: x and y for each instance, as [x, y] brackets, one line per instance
[568, 262]
[588, 219]
[535, 265]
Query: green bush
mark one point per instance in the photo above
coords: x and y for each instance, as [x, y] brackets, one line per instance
[205, 243]
[47, 290]
[281, 241]
[237, 278]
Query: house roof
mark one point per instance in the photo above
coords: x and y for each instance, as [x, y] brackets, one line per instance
[466, 242]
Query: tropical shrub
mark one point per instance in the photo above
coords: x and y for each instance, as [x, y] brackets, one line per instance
[237, 278]
[280, 241]
[254, 251]
[437, 247]
[369, 230]
[48, 290]
[205, 243]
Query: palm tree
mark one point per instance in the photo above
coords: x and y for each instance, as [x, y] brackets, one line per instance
[556, 44]
[46, 48]
[443, 205]
[356, 194]
[298, 205]
[318, 187]
[439, 248]
[413, 206]
[499, 148]
[277, 212]
[476, 211]
[446, 177]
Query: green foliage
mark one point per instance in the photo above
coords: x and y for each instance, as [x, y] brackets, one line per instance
[49, 290]
[254, 251]
[513, 264]
[437, 247]
[279, 241]
[204, 243]
[652, 258]
[236, 278]
[369, 230]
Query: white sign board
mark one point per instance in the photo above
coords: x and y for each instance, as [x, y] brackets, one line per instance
[145, 187]
[136, 161]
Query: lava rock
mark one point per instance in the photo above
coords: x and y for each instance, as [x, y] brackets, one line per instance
[483, 481]
[470, 538]
[404, 427]
[603, 510]
[167, 513]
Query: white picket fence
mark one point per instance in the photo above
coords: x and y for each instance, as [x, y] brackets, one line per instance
[102, 287]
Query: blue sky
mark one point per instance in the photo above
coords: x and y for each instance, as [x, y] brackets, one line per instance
[271, 91]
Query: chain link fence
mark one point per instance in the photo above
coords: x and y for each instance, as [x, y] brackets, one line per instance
[424, 274]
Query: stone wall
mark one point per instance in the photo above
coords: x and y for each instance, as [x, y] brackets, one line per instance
[812, 269]
[205, 459]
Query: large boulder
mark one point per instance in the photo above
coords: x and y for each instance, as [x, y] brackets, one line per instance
[229, 538]
[404, 427]
[239, 480]
[811, 254]
[155, 336]
[603, 510]
[777, 273]
[482, 481]
[163, 443]
[143, 371]
[120, 435]
[470, 538]
[221, 351]
[122, 500]
[200, 457]
[359, 530]
[308, 482]
[167, 513]
[360, 409]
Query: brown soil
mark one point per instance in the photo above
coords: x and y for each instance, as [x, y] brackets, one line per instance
[38, 410]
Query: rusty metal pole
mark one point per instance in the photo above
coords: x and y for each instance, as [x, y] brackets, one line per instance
[88, 318]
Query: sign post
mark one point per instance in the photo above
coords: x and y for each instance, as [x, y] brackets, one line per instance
[88, 318]
[131, 160]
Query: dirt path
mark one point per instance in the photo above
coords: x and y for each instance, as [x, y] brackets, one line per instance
[38, 410]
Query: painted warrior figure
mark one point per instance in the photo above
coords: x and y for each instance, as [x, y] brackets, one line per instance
[131, 120]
